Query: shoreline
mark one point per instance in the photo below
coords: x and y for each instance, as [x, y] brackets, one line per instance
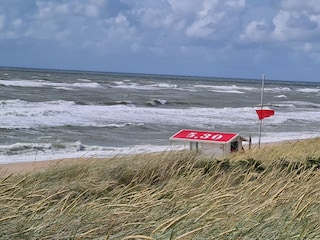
[26, 167]
[17, 168]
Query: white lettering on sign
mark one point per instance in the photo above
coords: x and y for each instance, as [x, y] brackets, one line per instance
[204, 136]
[217, 136]
[191, 135]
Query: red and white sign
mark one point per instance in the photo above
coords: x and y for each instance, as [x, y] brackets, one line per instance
[203, 136]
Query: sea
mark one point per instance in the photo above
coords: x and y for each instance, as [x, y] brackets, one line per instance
[55, 114]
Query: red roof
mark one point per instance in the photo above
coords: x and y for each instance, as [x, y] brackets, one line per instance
[204, 136]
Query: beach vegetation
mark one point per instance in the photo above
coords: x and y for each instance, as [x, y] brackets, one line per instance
[271, 192]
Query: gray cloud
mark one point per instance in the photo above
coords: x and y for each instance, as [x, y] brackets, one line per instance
[214, 31]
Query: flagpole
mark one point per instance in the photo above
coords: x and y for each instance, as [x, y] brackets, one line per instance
[261, 104]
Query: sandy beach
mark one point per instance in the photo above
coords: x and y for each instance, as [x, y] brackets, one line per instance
[26, 167]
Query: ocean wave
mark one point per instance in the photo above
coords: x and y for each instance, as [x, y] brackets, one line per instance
[284, 105]
[164, 85]
[105, 103]
[154, 102]
[130, 85]
[278, 89]
[271, 137]
[43, 83]
[309, 90]
[21, 114]
[147, 87]
[226, 88]
[75, 150]
[226, 91]
[36, 148]
[122, 125]
[84, 79]
[302, 104]
[16, 104]
[281, 96]
[123, 102]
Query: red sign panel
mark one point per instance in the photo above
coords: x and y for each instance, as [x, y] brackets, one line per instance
[195, 135]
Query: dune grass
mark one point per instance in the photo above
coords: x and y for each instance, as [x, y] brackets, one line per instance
[270, 192]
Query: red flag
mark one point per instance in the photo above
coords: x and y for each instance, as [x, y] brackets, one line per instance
[264, 113]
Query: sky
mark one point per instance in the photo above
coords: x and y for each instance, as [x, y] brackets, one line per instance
[212, 38]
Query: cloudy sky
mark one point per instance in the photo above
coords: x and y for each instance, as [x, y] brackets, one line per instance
[215, 38]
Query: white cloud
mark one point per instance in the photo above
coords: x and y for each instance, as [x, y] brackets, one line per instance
[45, 9]
[117, 35]
[216, 19]
[205, 26]
[292, 26]
[311, 6]
[197, 28]
[157, 22]
[237, 4]
[86, 10]
[256, 31]
[184, 8]
[293, 23]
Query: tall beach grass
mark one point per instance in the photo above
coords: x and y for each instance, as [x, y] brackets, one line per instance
[270, 192]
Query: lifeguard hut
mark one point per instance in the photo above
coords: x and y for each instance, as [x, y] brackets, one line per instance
[217, 143]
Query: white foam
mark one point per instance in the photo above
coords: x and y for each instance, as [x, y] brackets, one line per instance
[120, 125]
[42, 83]
[88, 152]
[226, 91]
[21, 114]
[164, 85]
[272, 137]
[281, 96]
[309, 90]
[133, 86]
[278, 89]
[147, 87]
[226, 88]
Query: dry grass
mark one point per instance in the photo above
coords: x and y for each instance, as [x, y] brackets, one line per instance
[266, 193]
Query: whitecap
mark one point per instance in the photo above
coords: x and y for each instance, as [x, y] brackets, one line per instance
[226, 91]
[278, 89]
[309, 90]
[281, 96]
[164, 85]
[226, 88]
[121, 125]
[43, 83]
[155, 102]
[133, 86]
